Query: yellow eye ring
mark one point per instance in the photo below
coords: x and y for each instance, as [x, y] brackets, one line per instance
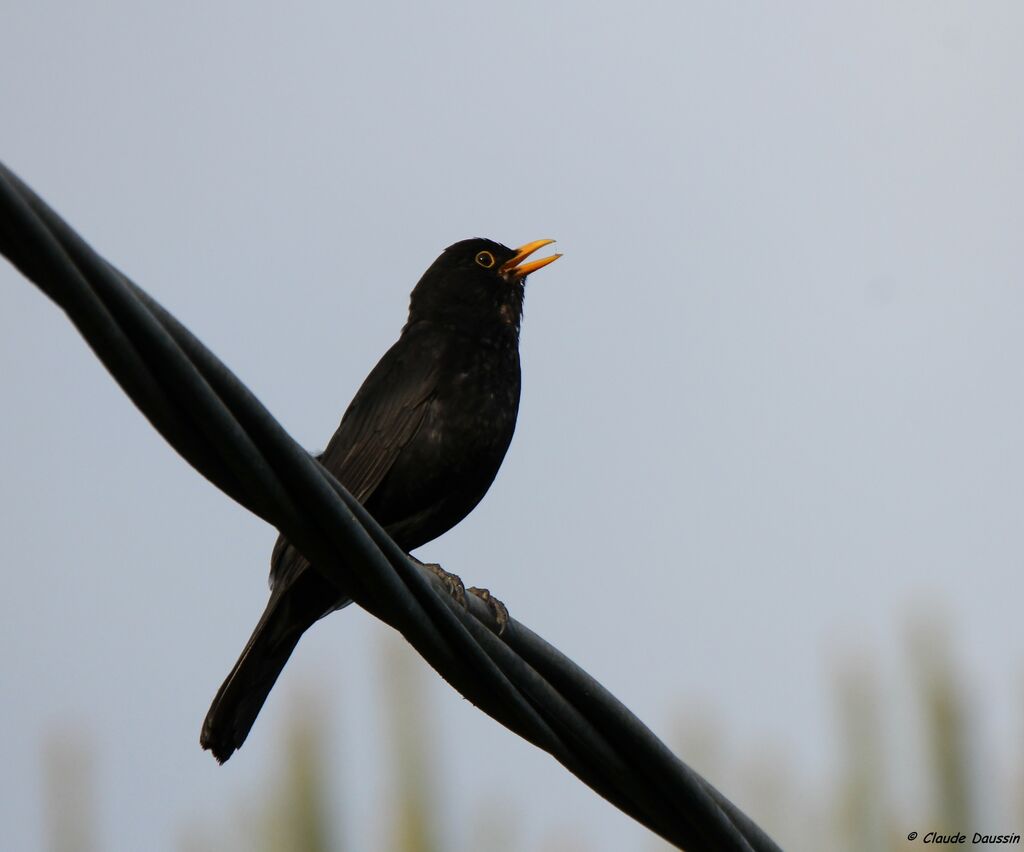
[485, 259]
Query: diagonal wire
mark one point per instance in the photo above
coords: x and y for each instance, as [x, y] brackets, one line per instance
[227, 435]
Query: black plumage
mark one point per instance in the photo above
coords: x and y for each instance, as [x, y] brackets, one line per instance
[419, 445]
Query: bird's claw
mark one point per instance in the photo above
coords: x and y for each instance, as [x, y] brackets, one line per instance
[497, 608]
[451, 582]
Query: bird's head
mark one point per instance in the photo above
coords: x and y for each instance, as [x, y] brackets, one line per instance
[477, 284]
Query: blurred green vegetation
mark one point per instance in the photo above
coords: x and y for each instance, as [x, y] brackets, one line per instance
[879, 788]
[69, 809]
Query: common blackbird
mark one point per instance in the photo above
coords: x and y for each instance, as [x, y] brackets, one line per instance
[419, 446]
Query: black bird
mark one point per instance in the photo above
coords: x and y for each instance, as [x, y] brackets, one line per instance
[419, 446]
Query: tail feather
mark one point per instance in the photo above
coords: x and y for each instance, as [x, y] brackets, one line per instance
[242, 695]
[299, 598]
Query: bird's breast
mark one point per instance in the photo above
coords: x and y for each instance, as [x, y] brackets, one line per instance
[444, 471]
[476, 408]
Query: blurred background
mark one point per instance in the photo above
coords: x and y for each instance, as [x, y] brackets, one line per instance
[766, 483]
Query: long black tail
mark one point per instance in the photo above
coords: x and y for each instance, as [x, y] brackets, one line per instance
[241, 697]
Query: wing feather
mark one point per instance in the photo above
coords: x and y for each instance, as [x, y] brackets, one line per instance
[383, 417]
[380, 421]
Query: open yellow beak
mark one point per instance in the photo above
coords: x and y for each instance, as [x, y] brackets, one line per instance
[512, 267]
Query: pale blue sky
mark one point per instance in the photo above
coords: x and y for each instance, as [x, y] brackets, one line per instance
[772, 393]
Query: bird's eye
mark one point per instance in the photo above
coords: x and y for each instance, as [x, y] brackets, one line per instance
[485, 259]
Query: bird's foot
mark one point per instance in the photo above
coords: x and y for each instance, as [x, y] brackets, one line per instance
[451, 582]
[497, 608]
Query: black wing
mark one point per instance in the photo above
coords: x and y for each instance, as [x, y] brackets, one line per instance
[380, 421]
[384, 415]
